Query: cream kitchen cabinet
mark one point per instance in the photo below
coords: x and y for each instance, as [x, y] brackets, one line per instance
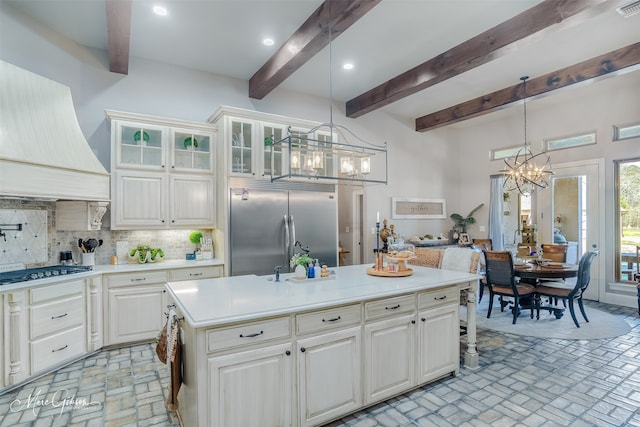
[389, 347]
[248, 136]
[162, 173]
[135, 303]
[195, 273]
[438, 326]
[243, 376]
[329, 364]
[57, 324]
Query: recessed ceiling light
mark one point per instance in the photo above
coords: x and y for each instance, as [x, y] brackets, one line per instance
[159, 10]
[348, 66]
[267, 42]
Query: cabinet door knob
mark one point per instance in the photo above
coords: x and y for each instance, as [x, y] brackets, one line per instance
[303, 349]
[423, 319]
[288, 353]
[413, 322]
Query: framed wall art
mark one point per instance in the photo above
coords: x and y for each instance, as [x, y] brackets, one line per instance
[412, 208]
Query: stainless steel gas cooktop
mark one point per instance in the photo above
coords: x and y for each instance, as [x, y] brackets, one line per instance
[25, 275]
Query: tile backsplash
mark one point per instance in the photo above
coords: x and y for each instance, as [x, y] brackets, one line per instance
[23, 236]
[49, 244]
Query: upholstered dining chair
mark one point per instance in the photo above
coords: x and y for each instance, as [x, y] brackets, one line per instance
[503, 282]
[427, 257]
[576, 292]
[482, 245]
[555, 253]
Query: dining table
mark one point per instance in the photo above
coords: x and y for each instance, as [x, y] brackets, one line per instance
[535, 272]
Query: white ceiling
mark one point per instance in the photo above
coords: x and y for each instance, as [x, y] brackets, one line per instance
[224, 37]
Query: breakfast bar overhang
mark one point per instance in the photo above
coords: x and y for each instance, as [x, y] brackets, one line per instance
[303, 353]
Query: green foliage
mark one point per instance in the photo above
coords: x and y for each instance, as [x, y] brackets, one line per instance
[195, 237]
[300, 259]
[462, 222]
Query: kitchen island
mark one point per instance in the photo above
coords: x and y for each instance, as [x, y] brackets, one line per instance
[302, 353]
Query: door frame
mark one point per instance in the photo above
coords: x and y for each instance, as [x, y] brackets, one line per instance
[594, 169]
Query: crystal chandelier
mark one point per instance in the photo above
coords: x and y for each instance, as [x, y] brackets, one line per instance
[526, 171]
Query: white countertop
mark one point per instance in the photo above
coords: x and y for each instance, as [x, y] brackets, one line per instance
[111, 269]
[213, 302]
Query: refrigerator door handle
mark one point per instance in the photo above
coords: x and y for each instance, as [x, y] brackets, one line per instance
[293, 232]
[287, 240]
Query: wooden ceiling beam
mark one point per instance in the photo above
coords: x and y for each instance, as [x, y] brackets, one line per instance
[610, 64]
[474, 52]
[118, 34]
[307, 41]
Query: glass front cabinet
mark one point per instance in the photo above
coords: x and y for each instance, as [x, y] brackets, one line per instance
[249, 139]
[162, 173]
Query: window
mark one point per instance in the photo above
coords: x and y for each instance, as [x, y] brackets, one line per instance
[503, 153]
[570, 141]
[628, 207]
[626, 132]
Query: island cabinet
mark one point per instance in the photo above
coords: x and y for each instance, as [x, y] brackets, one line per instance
[257, 352]
[162, 172]
[389, 342]
[329, 363]
[438, 329]
[250, 374]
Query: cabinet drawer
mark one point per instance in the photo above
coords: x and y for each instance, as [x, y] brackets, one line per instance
[389, 307]
[45, 293]
[328, 319]
[250, 333]
[56, 316]
[145, 278]
[195, 273]
[438, 297]
[55, 349]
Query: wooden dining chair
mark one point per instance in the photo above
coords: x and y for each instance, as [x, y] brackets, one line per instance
[482, 245]
[502, 281]
[555, 253]
[576, 292]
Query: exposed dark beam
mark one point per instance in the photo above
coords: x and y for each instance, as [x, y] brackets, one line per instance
[307, 41]
[474, 52]
[616, 62]
[118, 34]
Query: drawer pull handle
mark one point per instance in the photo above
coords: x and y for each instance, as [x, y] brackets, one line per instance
[59, 349]
[141, 279]
[395, 307]
[57, 317]
[335, 319]
[440, 298]
[195, 274]
[252, 335]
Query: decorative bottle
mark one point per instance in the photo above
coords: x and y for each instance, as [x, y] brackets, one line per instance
[311, 272]
[317, 270]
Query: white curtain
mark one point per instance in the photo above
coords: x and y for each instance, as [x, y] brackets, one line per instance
[496, 212]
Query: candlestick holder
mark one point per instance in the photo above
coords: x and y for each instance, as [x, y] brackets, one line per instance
[378, 266]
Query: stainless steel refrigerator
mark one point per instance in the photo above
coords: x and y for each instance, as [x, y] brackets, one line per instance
[266, 224]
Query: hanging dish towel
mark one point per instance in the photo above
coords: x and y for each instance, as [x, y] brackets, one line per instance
[161, 346]
[175, 362]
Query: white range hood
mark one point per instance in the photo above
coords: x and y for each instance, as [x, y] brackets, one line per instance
[43, 153]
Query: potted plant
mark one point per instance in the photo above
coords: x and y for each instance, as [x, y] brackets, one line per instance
[299, 263]
[462, 222]
[196, 238]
